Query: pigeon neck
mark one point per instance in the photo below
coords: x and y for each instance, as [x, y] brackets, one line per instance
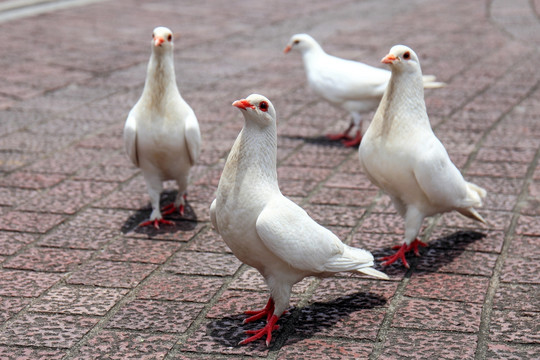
[160, 79]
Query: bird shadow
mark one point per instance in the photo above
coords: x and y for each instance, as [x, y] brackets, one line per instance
[318, 317]
[439, 252]
[316, 140]
[181, 223]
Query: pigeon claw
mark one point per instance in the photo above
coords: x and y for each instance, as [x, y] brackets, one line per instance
[414, 246]
[354, 142]
[268, 311]
[340, 136]
[156, 223]
[266, 330]
[400, 254]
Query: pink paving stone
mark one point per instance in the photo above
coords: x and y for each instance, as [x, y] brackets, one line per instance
[49, 330]
[474, 240]
[354, 292]
[515, 326]
[209, 241]
[350, 181]
[302, 173]
[335, 215]
[29, 180]
[498, 169]
[387, 223]
[11, 242]
[171, 287]
[520, 270]
[155, 316]
[326, 349]
[447, 287]
[28, 353]
[25, 283]
[128, 200]
[106, 173]
[111, 274]
[346, 197]
[236, 302]
[525, 246]
[497, 220]
[100, 218]
[524, 297]
[428, 345]
[511, 351]
[457, 262]
[203, 263]
[14, 196]
[78, 300]
[121, 345]
[221, 336]
[510, 186]
[47, 259]
[10, 306]
[78, 237]
[29, 221]
[505, 154]
[528, 225]
[437, 315]
[136, 250]
[251, 279]
[306, 159]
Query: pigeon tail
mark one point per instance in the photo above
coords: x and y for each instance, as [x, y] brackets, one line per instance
[430, 83]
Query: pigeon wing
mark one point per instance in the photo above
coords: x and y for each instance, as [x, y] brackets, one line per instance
[130, 138]
[192, 135]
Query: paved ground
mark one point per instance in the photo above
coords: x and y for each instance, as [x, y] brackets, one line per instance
[79, 281]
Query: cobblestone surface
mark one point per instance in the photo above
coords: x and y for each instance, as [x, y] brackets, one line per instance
[79, 280]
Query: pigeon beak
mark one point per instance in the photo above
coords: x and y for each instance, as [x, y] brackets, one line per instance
[243, 104]
[287, 49]
[388, 59]
[158, 41]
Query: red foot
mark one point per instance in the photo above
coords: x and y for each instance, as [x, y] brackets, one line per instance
[342, 136]
[403, 249]
[156, 223]
[354, 142]
[169, 209]
[266, 330]
[268, 311]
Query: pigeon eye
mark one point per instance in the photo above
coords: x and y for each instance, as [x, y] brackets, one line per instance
[153, 35]
[169, 37]
[407, 55]
[296, 42]
[263, 106]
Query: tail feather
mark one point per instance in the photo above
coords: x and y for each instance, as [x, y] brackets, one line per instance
[475, 195]
[372, 272]
[471, 213]
[430, 83]
[354, 259]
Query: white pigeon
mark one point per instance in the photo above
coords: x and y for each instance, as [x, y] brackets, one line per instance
[401, 155]
[350, 85]
[266, 230]
[161, 134]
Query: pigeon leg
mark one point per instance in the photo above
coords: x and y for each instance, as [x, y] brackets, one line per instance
[169, 209]
[400, 254]
[414, 246]
[266, 330]
[156, 223]
[341, 136]
[354, 142]
[267, 311]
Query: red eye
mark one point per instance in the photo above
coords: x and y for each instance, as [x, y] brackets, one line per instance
[169, 37]
[407, 55]
[263, 106]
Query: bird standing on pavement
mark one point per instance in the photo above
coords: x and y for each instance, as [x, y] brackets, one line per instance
[401, 155]
[266, 230]
[161, 134]
[350, 85]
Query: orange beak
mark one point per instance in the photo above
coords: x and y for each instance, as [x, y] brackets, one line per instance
[388, 59]
[243, 104]
[158, 41]
[287, 49]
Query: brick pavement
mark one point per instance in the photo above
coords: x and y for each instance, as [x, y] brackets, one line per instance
[79, 281]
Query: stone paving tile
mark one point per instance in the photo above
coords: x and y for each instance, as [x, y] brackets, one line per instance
[51, 330]
[200, 263]
[120, 345]
[171, 287]
[474, 240]
[136, 250]
[10, 306]
[451, 287]
[325, 349]
[25, 283]
[29, 180]
[78, 300]
[525, 246]
[29, 353]
[528, 225]
[515, 326]
[524, 297]
[511, 352]
[11, 242]
[428, 345]
[457, 262]
[335, 215]
[29, 221]
[438, 315]
[111, 274]
[47, 259]
[235, 302]
[209, 241]
[520, 270]
[156, 316]
[78, 237]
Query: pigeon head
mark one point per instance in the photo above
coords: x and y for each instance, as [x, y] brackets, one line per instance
[162, 38]
[301, 42]
[257, 108]
[402, 58]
